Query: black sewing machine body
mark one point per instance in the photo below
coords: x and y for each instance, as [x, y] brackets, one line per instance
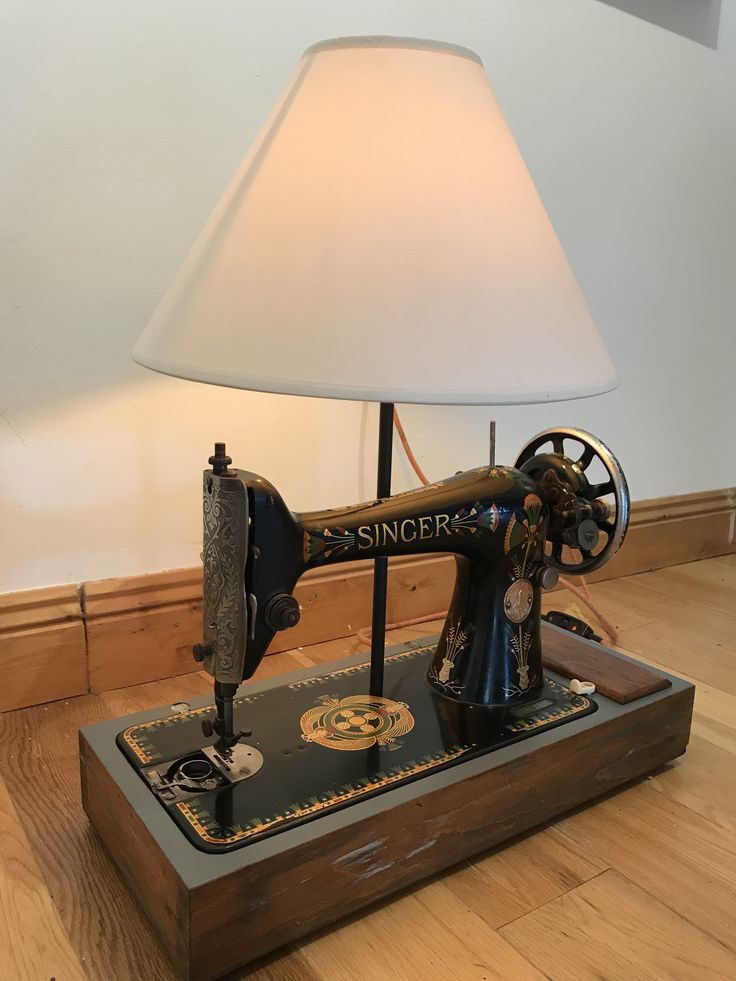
[493, 519]
[480, 686]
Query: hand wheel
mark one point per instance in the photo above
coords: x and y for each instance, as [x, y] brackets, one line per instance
[609, 516]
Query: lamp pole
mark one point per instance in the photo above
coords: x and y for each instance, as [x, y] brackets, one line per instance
[380, 566]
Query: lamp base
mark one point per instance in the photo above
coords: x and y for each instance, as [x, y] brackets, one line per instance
[275, 884]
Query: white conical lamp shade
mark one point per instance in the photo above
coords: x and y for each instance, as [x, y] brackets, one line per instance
[382, 240]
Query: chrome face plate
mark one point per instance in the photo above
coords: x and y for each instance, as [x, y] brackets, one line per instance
[238, 763]
[517, 603]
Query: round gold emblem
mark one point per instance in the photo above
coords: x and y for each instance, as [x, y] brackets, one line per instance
[356, 722]
[517, 602]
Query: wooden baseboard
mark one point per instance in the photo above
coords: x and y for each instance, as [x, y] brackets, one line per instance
[67, 640]
[669, 531]
[142, 628]
[43, 651]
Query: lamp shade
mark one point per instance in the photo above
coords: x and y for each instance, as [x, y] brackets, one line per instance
[382, 240]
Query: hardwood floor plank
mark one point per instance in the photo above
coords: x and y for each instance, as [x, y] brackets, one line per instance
[509, 882]
[620, 614]
[425, 934]
[647, 593]
[729, 561]
[701, 782]
[39, 758]
[611, 928]
[685, 861]
[714, 718]
[686, 652]
[719, 733]
[32, 939]
[708, 588]
[720, 570]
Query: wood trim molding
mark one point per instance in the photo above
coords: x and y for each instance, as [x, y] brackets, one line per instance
[669, 531]
[142, 628]
[43, 649]
[67, 640]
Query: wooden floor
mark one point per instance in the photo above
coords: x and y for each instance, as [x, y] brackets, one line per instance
[639, 885]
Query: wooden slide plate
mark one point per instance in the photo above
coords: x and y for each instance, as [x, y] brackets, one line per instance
[618, 680]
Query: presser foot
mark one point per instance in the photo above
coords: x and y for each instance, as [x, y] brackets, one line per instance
[227, 739]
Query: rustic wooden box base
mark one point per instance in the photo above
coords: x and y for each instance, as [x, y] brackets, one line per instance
[217, 912]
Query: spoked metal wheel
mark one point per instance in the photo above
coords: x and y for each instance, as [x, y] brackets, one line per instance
[612, 492]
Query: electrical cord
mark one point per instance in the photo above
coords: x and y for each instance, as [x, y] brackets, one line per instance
[582, 592]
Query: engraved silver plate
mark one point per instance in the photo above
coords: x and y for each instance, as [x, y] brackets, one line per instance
[517, 603]
[225, 508]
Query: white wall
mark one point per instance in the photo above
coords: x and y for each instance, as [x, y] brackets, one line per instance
[122, 123]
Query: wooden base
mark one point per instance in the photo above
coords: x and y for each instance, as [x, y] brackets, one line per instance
[217, 912]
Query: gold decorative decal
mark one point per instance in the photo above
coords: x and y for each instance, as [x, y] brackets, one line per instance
[456, 642]
[356, 722]
[321, 544]
[200, 822]
[521, 646]
[138, 738]
[140, 751]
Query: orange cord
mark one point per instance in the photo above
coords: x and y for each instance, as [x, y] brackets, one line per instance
[407, 449]
[581, 592]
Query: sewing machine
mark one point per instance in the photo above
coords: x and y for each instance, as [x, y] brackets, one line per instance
[245, 824]
[479, 687]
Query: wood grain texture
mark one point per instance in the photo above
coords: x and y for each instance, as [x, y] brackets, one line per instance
[618, 681]
[42, 664]
[39, 758]
[161, 894]
[25, 902]
[34, 608]
[674, 530]
[508, 882]
[248, 912]
[146, 632]
[611, 928]
[702, 787]
[42, 646]
[112, 938]
[666, 848]
[431, 937]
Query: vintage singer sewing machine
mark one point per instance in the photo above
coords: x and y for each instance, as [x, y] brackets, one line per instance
[481, 686]
[314, 782]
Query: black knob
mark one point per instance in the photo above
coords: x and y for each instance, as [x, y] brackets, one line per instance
[200, 652]
[548, 577]
[220, 460]
[282, 612]
[207, 728]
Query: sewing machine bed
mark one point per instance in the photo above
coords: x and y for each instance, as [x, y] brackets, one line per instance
[215, 912]
[327, 744]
